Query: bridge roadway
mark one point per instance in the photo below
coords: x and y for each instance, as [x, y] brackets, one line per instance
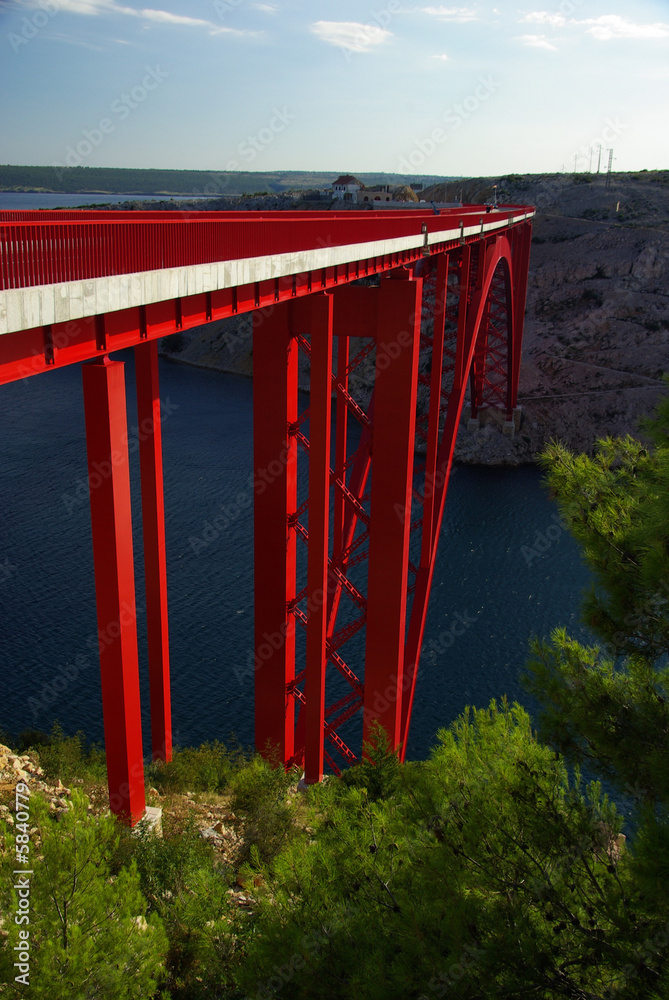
[78, 285]
[149, 273]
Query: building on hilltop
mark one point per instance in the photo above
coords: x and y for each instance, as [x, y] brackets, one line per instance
[349, 188]
[380, 192]
[346, 188]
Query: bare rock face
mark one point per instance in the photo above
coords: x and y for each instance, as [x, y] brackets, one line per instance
[15, 768]
[596, 339]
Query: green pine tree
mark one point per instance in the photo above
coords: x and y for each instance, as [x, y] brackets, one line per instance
[607, 706]
[89, 936]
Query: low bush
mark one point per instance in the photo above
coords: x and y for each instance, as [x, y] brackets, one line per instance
[188, 888]
[207, 768]
[259, 793]
[66, 757]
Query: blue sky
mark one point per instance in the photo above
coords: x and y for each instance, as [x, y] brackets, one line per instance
[393, 85]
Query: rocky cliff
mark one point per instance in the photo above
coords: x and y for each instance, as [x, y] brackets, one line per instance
[596, 337]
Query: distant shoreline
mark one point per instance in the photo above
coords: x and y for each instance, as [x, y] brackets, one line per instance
[115, 194]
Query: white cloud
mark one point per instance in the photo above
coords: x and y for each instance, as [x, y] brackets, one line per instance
[89, 7]
[267, 8]
[163, 17]
[536, 42]
[350, 35]
[604, 28]
[612, 26]
[92, 8]
[543, 17]
[457, 14]
[442, 56]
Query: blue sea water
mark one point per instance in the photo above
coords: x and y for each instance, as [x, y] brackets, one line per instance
[31, 200]
[492, 588]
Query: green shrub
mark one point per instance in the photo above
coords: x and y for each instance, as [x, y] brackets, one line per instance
[207, 768]
[259, 794]
[188, 889]
[379, 770]
[167, 864]
[66, 757]
[486, 875]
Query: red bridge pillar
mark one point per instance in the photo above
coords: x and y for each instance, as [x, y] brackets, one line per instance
[319, 518]
[397, 346]
[155, 569]
[275, 488]
[111, 522]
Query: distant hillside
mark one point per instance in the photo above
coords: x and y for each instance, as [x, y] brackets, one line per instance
[113, 180]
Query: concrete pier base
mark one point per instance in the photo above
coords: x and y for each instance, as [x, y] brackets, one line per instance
[152, 820]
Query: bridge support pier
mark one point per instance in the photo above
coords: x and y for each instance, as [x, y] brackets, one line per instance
[111, 522]
[275, 489]
[397, 346]
[155, 569]
[320, 411]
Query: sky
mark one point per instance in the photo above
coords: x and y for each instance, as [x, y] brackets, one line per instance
[394, 85]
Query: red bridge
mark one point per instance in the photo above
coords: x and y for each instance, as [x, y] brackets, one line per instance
[76, 286]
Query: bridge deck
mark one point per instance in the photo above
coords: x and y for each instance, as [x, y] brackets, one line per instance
[56, 270]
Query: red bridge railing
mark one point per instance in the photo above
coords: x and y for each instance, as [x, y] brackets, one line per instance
[42, 248]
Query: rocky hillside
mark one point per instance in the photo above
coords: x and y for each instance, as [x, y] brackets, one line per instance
[597, 326]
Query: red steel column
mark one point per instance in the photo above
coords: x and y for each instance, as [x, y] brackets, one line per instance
[397, 348]
[522, 241]
[478, 363]
[275, 479]
[155, 570]
[320, 408]
[111, 521]
[340, 446]
[434, 412]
